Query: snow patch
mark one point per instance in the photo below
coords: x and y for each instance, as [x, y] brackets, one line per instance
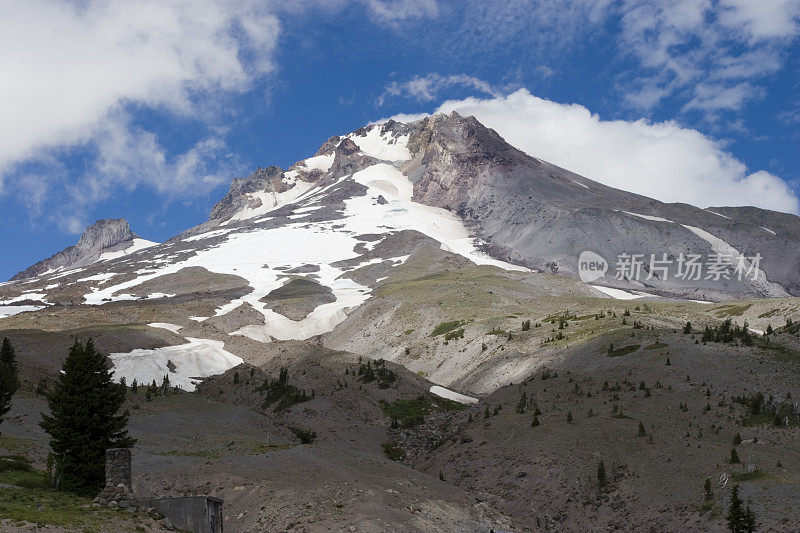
[197, 359]
[319, 162]
[620, 294]
[452, 395]
[270, 201]
[136, 245]
[648, 217]
[363, 214]
[723, 248]
[8, 310]
[768, 230]
[165, 325]
[718, 214]
[384, 147]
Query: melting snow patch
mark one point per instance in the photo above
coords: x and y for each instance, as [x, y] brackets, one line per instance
[165, 325]
[207, 235]
[8, 310]
[383, 147]
[648, 217]
[718, 214]
[620, 294]
[723, 248]
[185, 364]
[401, 213]
[319, 162]
[579, 183]
[138, 244]
[271, 201]
[768, 230]
[452, 395]
[99, 277]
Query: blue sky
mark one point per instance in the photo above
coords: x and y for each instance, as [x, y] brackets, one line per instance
[145, 110]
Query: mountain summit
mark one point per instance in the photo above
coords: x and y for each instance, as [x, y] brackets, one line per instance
[104, 240]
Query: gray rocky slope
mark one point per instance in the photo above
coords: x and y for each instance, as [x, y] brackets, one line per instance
[542, 216]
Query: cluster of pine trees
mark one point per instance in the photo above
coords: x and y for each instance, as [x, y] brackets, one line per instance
[728, 332]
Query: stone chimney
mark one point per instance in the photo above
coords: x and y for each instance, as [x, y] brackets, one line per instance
[118, 467]
[117, 492]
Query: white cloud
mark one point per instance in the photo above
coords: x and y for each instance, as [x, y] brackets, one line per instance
[765, 19]
[660, 160]
[68, 66]
[427, 88]
[693, 48]
[393, 11]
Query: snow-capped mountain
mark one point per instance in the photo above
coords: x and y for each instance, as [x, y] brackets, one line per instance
[287, 254]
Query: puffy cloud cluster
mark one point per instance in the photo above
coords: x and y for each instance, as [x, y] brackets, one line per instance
[71, 69]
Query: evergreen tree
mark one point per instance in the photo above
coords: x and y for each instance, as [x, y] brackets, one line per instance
[601, 474]
[569, 417]
[687, 329]
[708, 494]
[7, 355]
[734, 456]
[642, 431]
[84, 420]
[740, 520]
[523, 400]
[9, 377]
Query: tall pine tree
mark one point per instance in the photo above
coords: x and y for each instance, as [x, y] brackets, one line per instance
[9, 377]
[84, 420]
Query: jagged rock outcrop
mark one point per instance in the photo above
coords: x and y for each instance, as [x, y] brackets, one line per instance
[107, 235]
[263, 179]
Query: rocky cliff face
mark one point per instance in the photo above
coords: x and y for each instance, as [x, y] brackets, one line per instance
[109, 235]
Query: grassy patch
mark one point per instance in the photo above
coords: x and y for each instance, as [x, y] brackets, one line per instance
[457, 334]
[621, 416]
[36, 503]
[749, 476]
[781, 352]
[625, 350]
[410, 413]
[724, 311]
[393, 451]
[205, 454]
[656, 346]
[446, 327]
[769, 314]
[15, 445]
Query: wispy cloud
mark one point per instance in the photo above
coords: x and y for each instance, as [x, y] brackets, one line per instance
[428, 87]
[711, 55]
